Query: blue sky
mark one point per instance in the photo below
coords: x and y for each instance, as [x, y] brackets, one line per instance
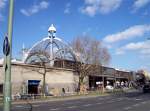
[122, 25]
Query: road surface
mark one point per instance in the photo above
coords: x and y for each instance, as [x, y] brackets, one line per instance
[123, 102]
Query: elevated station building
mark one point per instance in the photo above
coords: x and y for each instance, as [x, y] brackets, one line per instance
[57, 58]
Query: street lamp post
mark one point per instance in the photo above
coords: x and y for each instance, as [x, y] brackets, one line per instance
[51, 33]
[7, 65]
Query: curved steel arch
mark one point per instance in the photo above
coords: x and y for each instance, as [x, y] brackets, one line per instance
[63, 46]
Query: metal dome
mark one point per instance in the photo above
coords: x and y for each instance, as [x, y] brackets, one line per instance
[53, 47]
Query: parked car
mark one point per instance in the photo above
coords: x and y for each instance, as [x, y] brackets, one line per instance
[109, 87]
[146, 88]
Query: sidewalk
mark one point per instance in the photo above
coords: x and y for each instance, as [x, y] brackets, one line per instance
[61, 98]
[72, 97]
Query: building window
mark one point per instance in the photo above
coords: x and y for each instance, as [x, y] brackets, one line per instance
[1, 88]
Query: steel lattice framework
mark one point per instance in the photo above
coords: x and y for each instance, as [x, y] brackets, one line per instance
[50, 48]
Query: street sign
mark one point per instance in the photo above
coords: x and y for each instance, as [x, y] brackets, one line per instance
[6, 46]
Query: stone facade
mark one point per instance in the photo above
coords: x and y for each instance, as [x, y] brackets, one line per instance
[56, 78]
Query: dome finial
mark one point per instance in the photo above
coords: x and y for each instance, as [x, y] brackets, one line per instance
[52, 29]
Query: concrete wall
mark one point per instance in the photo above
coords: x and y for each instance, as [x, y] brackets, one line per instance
[55, 78]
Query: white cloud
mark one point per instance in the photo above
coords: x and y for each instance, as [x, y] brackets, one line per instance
[3, 3]
[145, 51]
[2, 6]
[140, 47]
[90, 10]
[119, 52]
[109, 5]
[26, 13]
[67, 8]
[108, 46]
[92, 7]
[67, 11]
[140, 4]
[85, 33]
[43, 5]
[131, 32]
[35, 8]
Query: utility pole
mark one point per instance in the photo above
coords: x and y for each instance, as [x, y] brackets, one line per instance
[7, 49]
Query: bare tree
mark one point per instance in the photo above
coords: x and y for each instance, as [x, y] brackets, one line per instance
[41, 60]
[91, 54]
